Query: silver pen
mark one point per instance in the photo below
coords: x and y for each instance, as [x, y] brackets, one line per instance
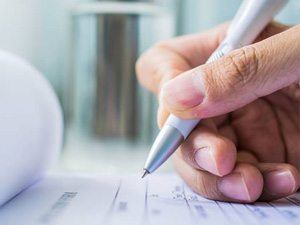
[251, 18]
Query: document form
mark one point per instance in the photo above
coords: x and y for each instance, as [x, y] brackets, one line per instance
[160, 199]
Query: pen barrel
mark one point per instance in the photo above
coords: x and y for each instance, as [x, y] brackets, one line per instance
[165, 144]
[251, 18]
[184, 126]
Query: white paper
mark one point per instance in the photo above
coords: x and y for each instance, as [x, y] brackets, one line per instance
[159, 199]
[30, 125]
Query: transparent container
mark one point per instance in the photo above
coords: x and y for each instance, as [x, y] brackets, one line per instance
[104, 102]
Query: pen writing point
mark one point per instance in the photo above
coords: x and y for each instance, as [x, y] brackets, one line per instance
[146, 172]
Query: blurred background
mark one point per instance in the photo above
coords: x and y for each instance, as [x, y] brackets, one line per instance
[87, 50]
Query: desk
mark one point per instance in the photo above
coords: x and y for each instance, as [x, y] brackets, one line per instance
[85, 155]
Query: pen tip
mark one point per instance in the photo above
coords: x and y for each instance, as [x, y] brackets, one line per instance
[146, 172]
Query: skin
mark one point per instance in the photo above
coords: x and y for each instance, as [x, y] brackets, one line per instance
[247, 146]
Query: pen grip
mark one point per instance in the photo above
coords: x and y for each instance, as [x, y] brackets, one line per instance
[182, 125]
[185, 126]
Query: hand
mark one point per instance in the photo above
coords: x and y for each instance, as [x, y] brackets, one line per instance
[248, 148]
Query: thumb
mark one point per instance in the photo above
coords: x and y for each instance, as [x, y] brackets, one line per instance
[236, 79]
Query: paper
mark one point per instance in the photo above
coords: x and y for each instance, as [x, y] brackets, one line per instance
[159, 199]
[30, 125]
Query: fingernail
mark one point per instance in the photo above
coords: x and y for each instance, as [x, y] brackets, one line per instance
[205, 160]
[233, 186]
[280, 182]
[184, 91]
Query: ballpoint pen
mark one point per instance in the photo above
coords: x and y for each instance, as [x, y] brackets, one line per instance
[249, 21]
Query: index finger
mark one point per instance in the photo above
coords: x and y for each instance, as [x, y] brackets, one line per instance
[169, 58]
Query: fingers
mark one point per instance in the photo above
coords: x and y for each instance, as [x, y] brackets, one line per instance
[244, 184]
[280, 180]
[205, 149]
[236, 79]
[162, 113]
[158, 65]
[169, 58]
[249, 180]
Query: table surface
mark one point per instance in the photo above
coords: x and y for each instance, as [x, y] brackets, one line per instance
[86, 155]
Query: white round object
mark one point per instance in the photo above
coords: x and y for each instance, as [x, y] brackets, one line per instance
[31, 127]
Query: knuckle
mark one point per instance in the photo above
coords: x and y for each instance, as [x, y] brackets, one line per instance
[211, 81]
[162, 44]
[231, 73]
[139, 68]
[257, 113]
[149, 73]
[241, 66]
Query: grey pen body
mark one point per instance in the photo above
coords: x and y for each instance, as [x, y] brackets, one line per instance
[167, 141]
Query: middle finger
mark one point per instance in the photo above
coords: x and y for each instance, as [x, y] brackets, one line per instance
[206, 149]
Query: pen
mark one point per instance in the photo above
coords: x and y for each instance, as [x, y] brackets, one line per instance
[249, 21]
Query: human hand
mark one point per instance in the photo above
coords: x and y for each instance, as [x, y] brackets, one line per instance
[248, 147]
